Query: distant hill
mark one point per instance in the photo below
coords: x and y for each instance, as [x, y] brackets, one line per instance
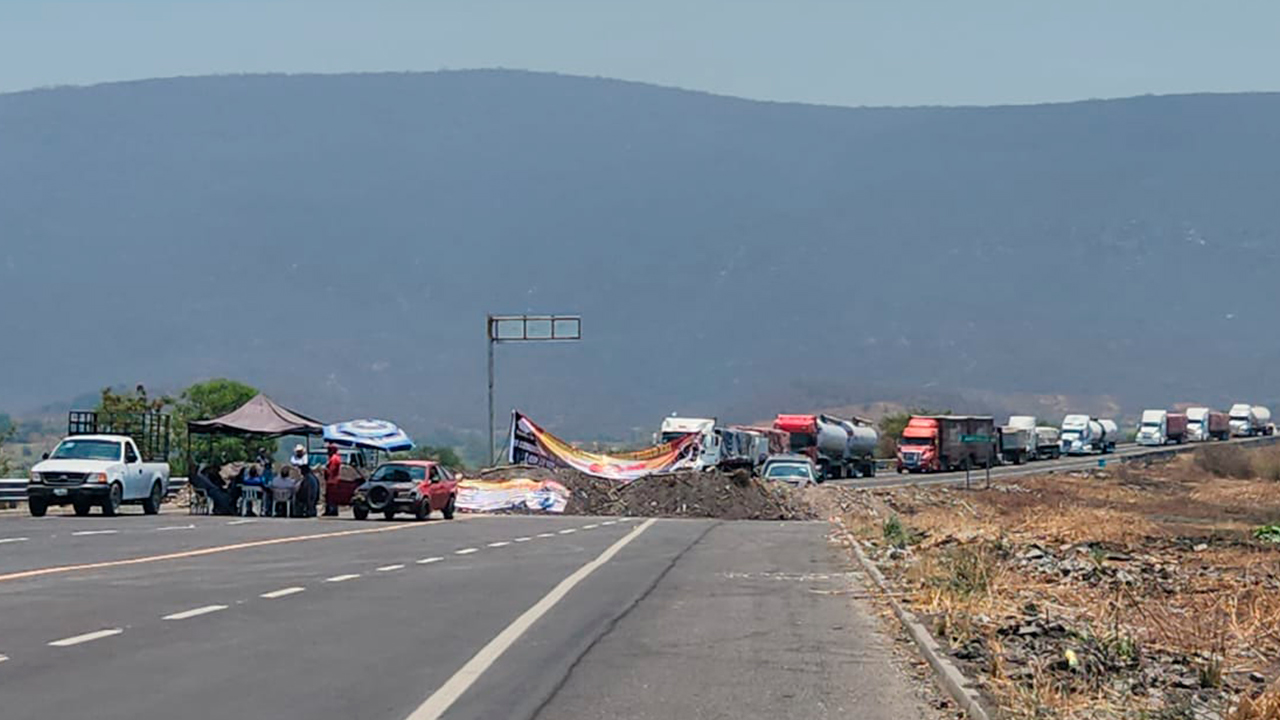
[338, 240]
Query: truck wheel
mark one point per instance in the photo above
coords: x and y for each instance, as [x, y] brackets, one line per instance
[111, 503]
[448, 508]
[360, 511]
[871, 469]
[422, 509]
[38, 506]
[151, 505]
[82, 507]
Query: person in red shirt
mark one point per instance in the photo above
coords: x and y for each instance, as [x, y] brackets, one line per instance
[332, 471]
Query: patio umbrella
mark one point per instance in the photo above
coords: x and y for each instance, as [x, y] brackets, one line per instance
[374, 434]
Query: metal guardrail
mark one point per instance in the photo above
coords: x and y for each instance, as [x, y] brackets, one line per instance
[15, 490]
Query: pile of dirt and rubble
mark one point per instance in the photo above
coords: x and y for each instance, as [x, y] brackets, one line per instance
[1136, 592]
[730, 496]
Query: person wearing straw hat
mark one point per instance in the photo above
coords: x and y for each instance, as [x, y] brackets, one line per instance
[299, 457]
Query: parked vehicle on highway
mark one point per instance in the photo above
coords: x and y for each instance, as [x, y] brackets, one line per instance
[1083, 435]
[413, 486]
[776, 442]
[940, 443]
[1152, 428]
[1204, 425]
[797, 470]
[1022, 440]
[104, 461]
[839, 448]
[1250, 420]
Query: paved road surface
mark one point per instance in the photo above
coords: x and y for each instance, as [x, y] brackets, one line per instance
[172, 616]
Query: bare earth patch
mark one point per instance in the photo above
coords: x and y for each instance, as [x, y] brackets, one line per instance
[1134, 592]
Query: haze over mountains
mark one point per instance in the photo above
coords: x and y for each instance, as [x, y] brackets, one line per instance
[337, 240]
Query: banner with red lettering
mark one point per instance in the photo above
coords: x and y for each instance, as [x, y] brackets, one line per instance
[529, 444]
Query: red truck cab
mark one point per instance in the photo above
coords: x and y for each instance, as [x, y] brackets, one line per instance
[802, 433]
[918, 447]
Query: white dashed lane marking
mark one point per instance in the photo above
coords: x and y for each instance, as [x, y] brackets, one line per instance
[3, 658]
[428, 561]
[241, 522]
[523, 539]
[87, 637]
[12, 540]
[467, 551]
[390, 568]
[82, 533]
[568, 531]
[590, 527]
[176, 527]
[500, 543]
[282, 593]
[196, 612]
[343, 578]
[609, 522]
[546, 534]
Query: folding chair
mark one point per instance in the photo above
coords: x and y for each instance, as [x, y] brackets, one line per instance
[200, 503]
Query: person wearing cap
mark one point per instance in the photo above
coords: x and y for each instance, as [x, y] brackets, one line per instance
[332, 473]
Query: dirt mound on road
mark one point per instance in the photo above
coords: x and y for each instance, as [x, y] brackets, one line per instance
[730, 496]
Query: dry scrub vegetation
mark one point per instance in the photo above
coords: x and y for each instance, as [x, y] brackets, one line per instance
[1135, 592]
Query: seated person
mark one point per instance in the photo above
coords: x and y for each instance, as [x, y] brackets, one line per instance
[253, 476]
[283, 488]
[209, 480]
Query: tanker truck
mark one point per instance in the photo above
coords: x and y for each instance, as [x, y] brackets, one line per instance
[1083, 435]
[1250, 420]
[840, 448]
[940, 443]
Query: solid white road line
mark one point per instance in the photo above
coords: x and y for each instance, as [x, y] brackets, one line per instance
[568, 531]
[500, 543]
[12, 540]
[390, 568]
[444, 698]
[523, 539]
[428, 561]
[82, 533]
[546, 534]
[195, 612]
[343, 578]
[467, 551]
[282, 592]
[590, 527]
[98, 635]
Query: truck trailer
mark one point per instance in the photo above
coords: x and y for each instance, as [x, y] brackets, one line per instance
[941, 443]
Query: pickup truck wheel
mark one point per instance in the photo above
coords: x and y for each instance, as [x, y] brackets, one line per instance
[422, 509]
[448, 508]
[361, 511]
[38, 507]
[111, 503]
[82, 507]
[151, 505]
[389, 513]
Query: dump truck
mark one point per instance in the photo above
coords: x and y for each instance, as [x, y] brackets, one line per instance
[839, 448]
[941, 443]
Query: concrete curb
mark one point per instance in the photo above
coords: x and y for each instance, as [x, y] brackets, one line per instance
[959, 687]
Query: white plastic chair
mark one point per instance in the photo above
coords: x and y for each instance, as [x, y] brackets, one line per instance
[284, 495]
[200, 503]
[251, 496]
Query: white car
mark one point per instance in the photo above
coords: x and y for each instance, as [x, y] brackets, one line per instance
[102, 470]
[797, 470]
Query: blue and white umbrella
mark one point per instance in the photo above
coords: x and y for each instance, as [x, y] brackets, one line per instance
[375, 434]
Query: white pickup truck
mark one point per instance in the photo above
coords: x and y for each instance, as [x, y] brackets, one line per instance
[103, 470]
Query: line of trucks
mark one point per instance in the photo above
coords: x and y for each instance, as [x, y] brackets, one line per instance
[838, 448]
[1200, 424]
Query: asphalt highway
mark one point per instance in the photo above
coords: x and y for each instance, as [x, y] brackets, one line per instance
[168, 616]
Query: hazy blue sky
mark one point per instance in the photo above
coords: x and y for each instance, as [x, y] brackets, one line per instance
[846, 52]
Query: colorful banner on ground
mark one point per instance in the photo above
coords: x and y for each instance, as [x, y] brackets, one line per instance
[518, 494]
[529, 444]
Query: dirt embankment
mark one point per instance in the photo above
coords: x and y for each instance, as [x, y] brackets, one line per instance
[1139, 592]
[730, 496]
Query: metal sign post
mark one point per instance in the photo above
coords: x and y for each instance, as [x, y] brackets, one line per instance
[526, 328]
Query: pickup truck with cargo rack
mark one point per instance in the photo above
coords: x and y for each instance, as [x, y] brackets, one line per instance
[104, 461]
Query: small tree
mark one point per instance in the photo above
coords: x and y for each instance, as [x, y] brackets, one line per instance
[6, 433]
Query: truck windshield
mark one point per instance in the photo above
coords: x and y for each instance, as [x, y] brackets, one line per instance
[927, 442]
[800, 441]
[671, 436]
[1151, 424]
[86, 450]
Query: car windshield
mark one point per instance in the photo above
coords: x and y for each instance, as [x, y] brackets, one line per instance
[87, 450]
[399, 473]
[788, 470]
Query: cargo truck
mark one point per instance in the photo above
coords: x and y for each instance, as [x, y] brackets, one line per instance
[839, 448]
[1084, 435]
[1161, 427]
[1250, 420]
[1204, 425]
[719, 447]
[941, 443]
[1047, 445]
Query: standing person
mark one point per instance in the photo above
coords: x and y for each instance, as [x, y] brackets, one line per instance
[299, 458]
[308, 492]
[332, 473]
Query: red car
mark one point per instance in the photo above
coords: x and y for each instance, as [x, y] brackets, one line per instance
[413, 486]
